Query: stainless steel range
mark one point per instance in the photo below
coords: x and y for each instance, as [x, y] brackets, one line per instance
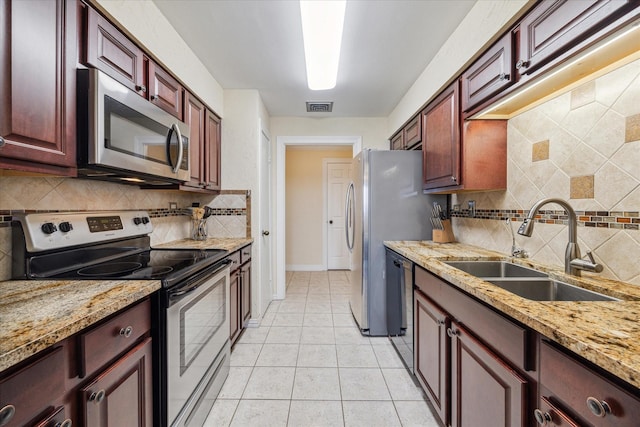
[191, 324]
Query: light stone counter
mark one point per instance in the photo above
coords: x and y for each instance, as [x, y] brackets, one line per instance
[36, 314]
[228, 244]
[605, 333]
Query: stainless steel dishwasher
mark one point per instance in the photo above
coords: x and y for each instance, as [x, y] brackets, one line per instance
[399, 275]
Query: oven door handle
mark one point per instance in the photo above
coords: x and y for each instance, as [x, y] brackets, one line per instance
[179, 293]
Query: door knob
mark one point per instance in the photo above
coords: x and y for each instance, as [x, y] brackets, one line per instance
[265, 232]
[330, 221]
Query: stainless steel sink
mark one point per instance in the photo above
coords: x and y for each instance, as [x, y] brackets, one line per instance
[495, 269]
[548, 290]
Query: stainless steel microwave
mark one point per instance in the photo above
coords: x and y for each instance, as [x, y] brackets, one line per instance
[124, 138]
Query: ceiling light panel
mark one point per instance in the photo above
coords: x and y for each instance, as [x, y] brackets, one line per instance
[322, 24]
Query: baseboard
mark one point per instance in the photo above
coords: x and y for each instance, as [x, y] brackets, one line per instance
[302, 267]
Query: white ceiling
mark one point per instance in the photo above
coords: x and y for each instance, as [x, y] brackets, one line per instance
[257, 44]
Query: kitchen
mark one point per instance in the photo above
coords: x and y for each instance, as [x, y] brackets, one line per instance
[611, 170]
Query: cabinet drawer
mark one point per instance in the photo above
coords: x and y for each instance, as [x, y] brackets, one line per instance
[235, 260]
[501, 334]
[571, 383]
[32, 389]
[245, 254]
[103, 343]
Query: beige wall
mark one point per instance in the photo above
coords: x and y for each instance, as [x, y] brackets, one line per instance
[584, 147]
[304, 204]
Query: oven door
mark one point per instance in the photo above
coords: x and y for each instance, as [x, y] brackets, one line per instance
[197, 335]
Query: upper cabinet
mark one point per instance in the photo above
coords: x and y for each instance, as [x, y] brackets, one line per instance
[165, 91]
[554, 26]
[409, 137]
[490, 74]
[38, 86]
[212, 151]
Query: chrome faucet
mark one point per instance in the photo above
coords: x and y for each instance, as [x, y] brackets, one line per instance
[515, 251]
[573, 262]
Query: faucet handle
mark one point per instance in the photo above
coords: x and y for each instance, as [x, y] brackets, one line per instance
[590, 255]
[590, 265]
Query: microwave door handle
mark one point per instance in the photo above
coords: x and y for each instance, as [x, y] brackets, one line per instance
[176, 129]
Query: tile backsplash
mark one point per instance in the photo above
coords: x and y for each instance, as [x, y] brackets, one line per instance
[582, 146]
[19, 194]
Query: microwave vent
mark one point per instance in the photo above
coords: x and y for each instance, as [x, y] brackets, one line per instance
[319, 107]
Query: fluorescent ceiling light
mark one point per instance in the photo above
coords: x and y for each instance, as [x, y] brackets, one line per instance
[322, 23]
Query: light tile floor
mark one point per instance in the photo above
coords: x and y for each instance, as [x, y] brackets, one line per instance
[308, 365]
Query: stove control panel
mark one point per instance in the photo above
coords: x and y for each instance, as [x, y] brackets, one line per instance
[56, 230]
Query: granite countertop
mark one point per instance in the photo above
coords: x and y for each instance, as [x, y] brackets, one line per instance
[36, 314]
[228, 244]
[606, 333]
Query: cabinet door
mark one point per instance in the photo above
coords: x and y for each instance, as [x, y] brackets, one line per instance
[548, 414]
[485, 391]
[195, 118]
[441, 140]
[490, 74]
[234, 304]
[122, 395]
[38, 86]
[413, 132]
[245, 280]
[212, 151]
[58, 418]
[554, 25]
[431, 356]
[165, 91]
[113, 53]
[397, 141]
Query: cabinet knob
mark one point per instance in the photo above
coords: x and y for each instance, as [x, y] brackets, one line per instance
[97, 396]
[65, 423]
[2, 142]
[522, 64]
[153, 97]
[265, 232]
[599, 408]
[441, 322]
[141, 88]
[6, 414]
[503, 77]
[454, 179]
[126, 332]
[452, 333]
[542, 418]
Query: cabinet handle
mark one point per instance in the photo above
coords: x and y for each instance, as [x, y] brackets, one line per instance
[97, 396]
[522, 64]
[453, 178]
[452, 333]
[2, 142]
[542, 418]
[599, 408]
[126, 332]
[6, 414]
[503, 77]
[65, 423]
[141, 88]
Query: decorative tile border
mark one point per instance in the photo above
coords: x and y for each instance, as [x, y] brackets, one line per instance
[621, 220]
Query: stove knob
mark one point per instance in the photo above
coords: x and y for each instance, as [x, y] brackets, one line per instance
[137, 220]
[48, 228]
[145, 220]
[65, 226]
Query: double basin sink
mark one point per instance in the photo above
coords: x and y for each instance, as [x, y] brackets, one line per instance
[526, 282]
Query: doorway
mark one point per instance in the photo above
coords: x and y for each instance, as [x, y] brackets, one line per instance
[280, 231]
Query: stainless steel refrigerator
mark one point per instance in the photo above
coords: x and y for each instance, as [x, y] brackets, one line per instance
[384, 202]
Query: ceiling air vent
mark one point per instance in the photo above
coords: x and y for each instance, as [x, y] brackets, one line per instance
[319, 107]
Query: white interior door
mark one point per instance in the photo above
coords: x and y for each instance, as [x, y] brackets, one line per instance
[266, 285]
[338, 179]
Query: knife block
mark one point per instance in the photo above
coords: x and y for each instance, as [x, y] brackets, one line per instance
[446, 235]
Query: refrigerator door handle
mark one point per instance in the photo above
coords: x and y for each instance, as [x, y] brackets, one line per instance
[348, 217]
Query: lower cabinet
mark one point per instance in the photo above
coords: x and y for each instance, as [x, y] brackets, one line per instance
[234, 304]
[122, 394]
[240, 291]
[245, 292]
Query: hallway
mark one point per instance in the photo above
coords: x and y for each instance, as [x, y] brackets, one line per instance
[308, 365]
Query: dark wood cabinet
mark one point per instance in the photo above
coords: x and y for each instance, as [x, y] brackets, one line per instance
[57, 418]
[234, 304]
[441, 140]
[240, 291]
[212, 152]
[245, 292]
[110, 51]
[165, 91]
[397, 141]
[432, 353]
[582, 394]
[413, 133]
[122, 394]
[489, 74]
[555, 26]
[38, 56]
[195, 118]
[485, 391]
[548, 414]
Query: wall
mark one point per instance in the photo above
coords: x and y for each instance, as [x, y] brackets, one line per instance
[484, 22]
[584, 147]
[373, 130]
[305, 203]
[144, 22]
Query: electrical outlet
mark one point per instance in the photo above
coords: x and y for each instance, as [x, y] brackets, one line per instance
[173, 205]
[472, 208]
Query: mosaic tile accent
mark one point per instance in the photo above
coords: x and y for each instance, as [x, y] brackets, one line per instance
[600, 219]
